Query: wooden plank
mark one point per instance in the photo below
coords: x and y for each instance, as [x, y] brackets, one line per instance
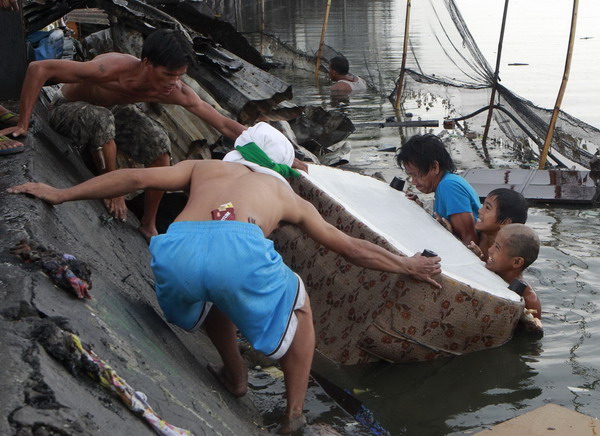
[547, 186]
[419, 123]
[550, 419]
[14, 54]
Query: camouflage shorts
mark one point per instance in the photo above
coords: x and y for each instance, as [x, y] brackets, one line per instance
[90, 127]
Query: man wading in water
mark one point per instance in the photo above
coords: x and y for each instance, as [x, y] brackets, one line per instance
[217, 254]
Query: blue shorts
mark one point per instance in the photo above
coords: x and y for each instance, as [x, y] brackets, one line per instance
[232, 265]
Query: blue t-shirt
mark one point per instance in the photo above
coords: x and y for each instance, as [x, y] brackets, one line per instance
[454, 195]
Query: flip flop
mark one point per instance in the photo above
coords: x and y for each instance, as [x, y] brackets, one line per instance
[17, 147]
[9, 119]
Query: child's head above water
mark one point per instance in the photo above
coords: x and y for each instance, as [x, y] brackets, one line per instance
[515, 248]
[502, 206]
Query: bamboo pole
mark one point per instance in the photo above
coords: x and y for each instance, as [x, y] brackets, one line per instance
[404, 50]
[320, 51]
[563, 86]
[262, 27]
[495, 84]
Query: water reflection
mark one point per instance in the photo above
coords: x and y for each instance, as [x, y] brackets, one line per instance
[471, 392]
[448, 396]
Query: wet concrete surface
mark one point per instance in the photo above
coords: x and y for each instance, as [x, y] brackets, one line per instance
[122, 322]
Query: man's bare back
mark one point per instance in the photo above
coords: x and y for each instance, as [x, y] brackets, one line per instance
[257, 198]
[264, 199]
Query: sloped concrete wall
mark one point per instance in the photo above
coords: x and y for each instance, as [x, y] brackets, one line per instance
[122, 321]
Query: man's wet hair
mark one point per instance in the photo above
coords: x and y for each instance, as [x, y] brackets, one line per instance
[509, 205]
[522, 241]
[422, 151]
[340, 65]
[168, 48]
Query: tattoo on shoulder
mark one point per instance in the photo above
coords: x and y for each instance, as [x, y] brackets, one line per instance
[251, 220]
[102, 68]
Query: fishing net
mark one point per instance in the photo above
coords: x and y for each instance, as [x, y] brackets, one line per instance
[453, 60]
[443, 59]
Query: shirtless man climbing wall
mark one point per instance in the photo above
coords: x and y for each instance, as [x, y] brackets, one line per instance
[97, 112]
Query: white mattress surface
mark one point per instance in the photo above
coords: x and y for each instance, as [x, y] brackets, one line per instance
[407, 226]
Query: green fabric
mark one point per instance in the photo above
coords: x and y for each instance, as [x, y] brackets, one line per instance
[253, 153]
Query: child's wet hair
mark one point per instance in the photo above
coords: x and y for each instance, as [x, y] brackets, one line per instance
[522, 241]
[510, 205]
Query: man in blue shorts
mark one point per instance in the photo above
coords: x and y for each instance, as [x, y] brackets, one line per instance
[217, 253]
[431, 169]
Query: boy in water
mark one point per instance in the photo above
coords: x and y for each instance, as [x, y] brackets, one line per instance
[515, 247]
[502, 206]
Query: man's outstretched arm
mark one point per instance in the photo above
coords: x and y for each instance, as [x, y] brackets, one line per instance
[193, 103]
[102, 68]
[360, 252]
[114, 184]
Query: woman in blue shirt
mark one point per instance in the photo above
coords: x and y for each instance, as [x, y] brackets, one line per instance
[431, 169]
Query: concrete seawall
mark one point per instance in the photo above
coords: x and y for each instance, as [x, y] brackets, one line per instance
[122, 322]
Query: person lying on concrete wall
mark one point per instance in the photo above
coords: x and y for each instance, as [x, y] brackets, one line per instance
[216, 253]
[430, 168]
[96, 108]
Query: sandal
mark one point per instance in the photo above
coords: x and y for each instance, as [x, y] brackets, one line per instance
[10, 146]
[8, 118]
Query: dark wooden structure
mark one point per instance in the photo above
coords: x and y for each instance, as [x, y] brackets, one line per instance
[13, 53]
[546, 186]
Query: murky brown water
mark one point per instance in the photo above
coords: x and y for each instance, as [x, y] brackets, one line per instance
[473, 392]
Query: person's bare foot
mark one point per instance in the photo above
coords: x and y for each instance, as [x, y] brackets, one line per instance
[290, 424]
[237, 388]
[116, 207]
[147, 232]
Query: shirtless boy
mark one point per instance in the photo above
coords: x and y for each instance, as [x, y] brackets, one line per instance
[502, 206]
[96, 110]
[232, 264]
[515, 247]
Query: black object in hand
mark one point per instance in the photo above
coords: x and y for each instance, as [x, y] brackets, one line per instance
[428, 253]
[397, 183]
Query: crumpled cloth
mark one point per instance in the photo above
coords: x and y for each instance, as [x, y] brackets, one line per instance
[275, 145]
[135, 400]
[63, 269]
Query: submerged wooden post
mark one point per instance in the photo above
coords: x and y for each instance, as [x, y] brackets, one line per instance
[262, 27]
[404, 50]
[563, 86]
[495, 84]
[320, 51]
